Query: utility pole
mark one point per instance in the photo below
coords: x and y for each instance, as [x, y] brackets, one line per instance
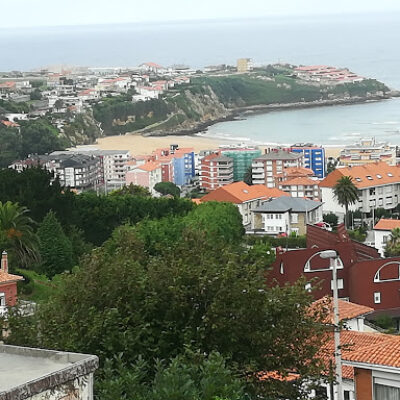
[332, 255]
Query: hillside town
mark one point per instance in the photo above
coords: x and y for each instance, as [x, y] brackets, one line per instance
[115, 210]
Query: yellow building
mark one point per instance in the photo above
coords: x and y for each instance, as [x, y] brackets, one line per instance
[244, 65]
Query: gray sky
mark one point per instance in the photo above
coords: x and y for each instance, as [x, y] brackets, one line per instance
[27, 13]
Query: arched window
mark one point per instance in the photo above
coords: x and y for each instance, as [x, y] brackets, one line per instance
[316, 263]
[388, 272]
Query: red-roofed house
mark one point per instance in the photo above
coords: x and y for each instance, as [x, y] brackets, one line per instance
[378, 184]
[152, 67]
[382, 233]
[9, 124]
[246, 197]
[146, 175]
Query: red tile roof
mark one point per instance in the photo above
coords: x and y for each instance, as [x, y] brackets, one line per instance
[9, 124]
[373, 174]
[6, 277]
[347, 310]
[240, 192]
[299, 181]
[149, 166]
[387, 224]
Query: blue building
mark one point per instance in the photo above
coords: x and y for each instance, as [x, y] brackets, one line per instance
[314, 158]
[184, 166]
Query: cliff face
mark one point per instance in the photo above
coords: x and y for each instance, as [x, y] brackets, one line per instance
[192, 107]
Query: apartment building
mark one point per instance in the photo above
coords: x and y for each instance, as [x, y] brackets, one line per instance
[267, 167]
[114, 166]
[146, 175]
[383, 233]
[242, 159]
[302, 187]
[314, 157]
[367, 151]
[378, 185]
[244, 65]
[215, 171]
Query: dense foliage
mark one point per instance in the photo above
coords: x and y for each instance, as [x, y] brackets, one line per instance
[33, 137]
[166, 188]
[160, 288]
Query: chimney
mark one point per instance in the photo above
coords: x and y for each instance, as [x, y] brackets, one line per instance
[4, 262]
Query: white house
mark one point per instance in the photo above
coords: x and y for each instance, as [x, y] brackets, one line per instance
[382, 233]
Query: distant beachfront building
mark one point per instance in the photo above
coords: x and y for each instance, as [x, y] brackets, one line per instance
[314, 157]
[146, 175]
[242, 159]
[267, 167]
[215, 171]
[244, 65]
[367, 151]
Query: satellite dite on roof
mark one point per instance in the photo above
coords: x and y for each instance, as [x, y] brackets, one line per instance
[27, 373]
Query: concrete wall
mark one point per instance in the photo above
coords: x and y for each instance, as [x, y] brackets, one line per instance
[79, 389]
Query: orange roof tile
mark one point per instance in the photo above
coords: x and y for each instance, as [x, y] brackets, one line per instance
[196, 201]
[240, 192]
[347, 310]
[373, 174]
[299, 181]
[6, 277]
[149, 166]
[387, 224]
[10, 124]
[296, 171]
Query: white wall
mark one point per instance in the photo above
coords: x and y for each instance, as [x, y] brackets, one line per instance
[378, 238]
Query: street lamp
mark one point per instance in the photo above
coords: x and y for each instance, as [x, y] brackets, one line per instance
[333, 256]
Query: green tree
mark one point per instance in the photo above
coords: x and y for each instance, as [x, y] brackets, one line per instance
[331, 218]
[10, 146]
[55, 248]
[199, 292]
[346, 193]
[248, 176]
[167, 188]
[133, 190]
[36, 94]
[58, 104]
[17, 235]
[393, 245]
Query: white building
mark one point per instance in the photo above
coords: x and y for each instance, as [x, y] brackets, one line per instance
[382, 233]
[35, 374]
[378, 185]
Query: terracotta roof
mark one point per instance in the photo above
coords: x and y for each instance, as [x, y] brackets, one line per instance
[240, 192]
[366, 348]
[10, 124]
[5, 277]
[347, 310]
[263, 376]
[367, 175]
[387, 224]
[299, 181]
[149, 166]
[196, 201]
[296, 171]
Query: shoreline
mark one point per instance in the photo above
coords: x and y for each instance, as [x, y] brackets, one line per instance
[242, 112]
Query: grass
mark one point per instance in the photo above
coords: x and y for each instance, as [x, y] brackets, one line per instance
[36, 287]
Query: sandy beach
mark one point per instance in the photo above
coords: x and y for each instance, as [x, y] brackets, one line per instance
[140, 145]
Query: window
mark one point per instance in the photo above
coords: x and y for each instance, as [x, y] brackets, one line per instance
[389, 200]
[294, 218]
[390, 174]
[369, 177]
[379, 176]
[339, 284]
[384, 392]
[358, 179]
[377, 297]
[380, 190]
[346, 395]
[385, 239]
[2, 300]
[281, 270]
[372, 191]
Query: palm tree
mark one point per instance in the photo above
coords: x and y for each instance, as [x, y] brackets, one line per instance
[392, 247]
[17, 235]
[346, 193]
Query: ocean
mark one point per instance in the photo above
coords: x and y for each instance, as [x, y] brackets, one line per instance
[367, 44]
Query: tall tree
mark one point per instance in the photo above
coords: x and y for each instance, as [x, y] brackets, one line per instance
[17, 235]
[248, 176]
[346, 194]
[166, 188]
[55, 248]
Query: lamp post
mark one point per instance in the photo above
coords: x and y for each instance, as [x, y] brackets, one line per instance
[332, 255]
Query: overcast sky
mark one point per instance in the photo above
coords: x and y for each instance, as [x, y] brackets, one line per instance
[27, 13]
